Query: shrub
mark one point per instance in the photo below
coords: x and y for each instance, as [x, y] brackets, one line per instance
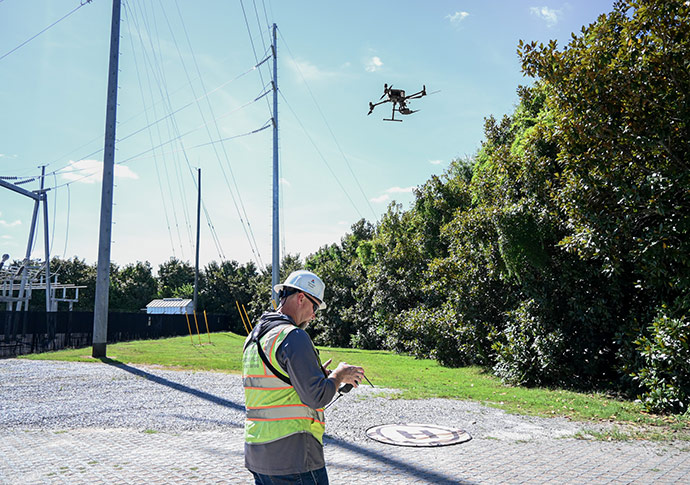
[665, 371]
[528, 352]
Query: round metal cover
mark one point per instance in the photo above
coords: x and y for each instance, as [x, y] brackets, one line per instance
[413, 434]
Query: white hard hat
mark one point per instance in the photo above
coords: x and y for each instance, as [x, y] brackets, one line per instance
[307, 282]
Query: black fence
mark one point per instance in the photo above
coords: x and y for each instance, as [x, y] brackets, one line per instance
[33, 332]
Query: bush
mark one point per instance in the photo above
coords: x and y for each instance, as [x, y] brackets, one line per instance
[529, 352]
[439, 334]
[665, 372]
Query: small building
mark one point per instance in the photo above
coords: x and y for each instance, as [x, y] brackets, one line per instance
[170, 306]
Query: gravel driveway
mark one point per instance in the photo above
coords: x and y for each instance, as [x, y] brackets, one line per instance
[42, 402]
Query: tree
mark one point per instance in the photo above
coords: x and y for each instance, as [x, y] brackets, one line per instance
[619, 98]
[75, 271]
[174, 275]
[342, 271]
[132, 287]
[228, 283]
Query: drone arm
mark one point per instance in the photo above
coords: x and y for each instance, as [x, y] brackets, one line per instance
[374, 105]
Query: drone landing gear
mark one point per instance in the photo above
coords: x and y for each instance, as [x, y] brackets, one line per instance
[391, 119]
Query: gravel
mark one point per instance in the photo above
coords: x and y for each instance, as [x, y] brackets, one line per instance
[72, 395]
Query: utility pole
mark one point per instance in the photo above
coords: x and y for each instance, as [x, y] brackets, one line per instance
[44, 197]
[198, 230]
[27, 257]
[100, 314]
[275, 266]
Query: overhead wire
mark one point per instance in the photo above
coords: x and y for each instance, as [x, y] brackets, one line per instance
[149, 124]
[143, 100]
[173, 128]
[141, 154]
[248, 229]
[84, 2]
[281, 220]
[87, 173]
[159, 120]
[156, 76]
[274, 88]
[251, 41]
[321, 155]
[325, 120]
[261, 33]
[268, 23]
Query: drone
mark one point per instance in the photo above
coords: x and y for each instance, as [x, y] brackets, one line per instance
[399, 100]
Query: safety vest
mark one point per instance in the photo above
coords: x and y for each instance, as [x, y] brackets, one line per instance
[274, 410]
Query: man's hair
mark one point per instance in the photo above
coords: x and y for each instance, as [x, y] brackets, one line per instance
[285, 292]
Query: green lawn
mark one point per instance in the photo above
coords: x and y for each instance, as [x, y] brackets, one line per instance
[416, 378]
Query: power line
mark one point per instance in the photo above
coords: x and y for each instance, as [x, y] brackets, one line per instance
[146, 116]
[321, 155]
[84, 2]
[325, 120]
[218, 132]
[156, 72]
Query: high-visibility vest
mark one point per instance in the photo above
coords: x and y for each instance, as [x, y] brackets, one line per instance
[274, 410]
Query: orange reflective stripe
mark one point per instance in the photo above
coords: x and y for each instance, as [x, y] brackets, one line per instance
[283, 406]
[273, 345]
[264, 382]
[269, 388]
[277, 406]
[286, 419]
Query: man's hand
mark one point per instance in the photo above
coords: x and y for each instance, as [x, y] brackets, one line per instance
[347, 374]
[327, 371]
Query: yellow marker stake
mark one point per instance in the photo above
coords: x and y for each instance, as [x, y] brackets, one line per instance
[189, 327]
[197, 328]
[246, 315]
[209, 333]
[242, 317]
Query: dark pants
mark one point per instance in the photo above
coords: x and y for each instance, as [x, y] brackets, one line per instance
[316, 477]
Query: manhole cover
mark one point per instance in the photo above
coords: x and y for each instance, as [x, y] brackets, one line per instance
[412, 434]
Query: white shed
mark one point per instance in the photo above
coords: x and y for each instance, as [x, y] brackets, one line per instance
[170, 306]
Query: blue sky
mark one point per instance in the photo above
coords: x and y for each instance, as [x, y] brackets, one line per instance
[187, 81]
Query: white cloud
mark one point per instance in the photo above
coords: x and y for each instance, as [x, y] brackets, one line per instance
[91, 171]
[4, 223]
[549, 15]
[6, 237]
[436, 162]
[393, 190]
[285, 182]
[457, 17]
[401, 190]
[374, 64]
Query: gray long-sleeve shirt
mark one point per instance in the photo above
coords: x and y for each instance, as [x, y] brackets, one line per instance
[301, 452]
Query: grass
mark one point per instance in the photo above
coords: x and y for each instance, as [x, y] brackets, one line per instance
[416, 378]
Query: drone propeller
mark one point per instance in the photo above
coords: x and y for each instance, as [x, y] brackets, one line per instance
[386, 90]
[371, 108]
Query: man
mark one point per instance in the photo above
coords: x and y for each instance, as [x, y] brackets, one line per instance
[286, 388]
